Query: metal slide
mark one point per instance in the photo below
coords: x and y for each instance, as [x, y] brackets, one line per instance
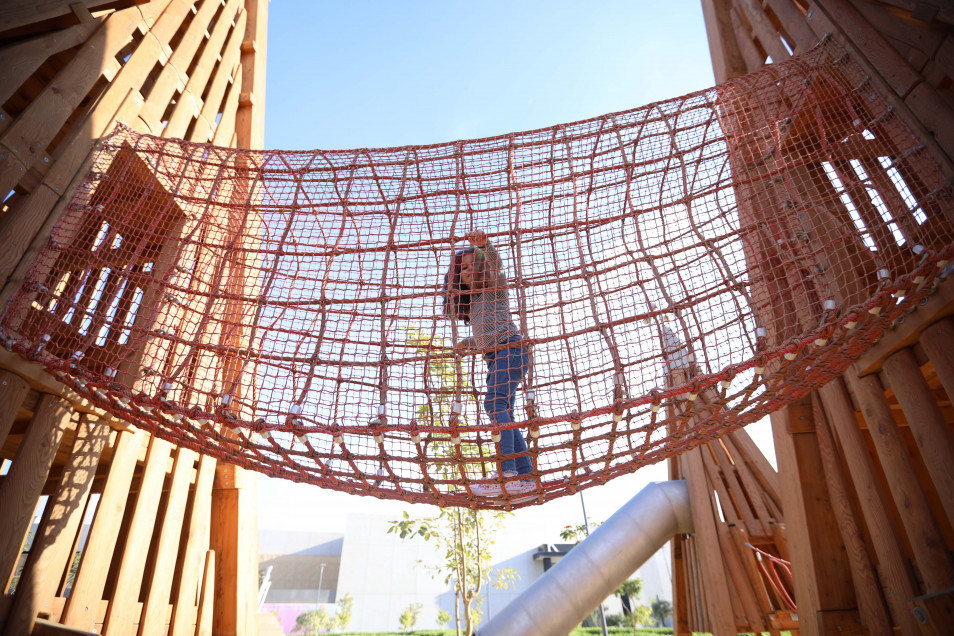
[567, 592]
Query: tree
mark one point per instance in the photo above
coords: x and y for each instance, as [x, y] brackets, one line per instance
[462, 536]
[661, 610]
[345, 605]
[408, 618]
[637, 618]
[577, 533]
[628, 593]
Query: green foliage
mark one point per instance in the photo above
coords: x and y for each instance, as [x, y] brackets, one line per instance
[408, 618]
[320, 620]
[443, 617]
[575, 534]
[661, 610]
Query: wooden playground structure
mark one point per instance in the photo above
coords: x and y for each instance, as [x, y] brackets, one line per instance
[852, 535]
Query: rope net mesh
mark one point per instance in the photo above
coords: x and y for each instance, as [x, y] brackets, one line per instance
[678, 270]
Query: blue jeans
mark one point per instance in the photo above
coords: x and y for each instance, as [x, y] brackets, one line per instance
[506, 369]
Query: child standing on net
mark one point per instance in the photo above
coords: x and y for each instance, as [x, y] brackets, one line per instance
[474, 292]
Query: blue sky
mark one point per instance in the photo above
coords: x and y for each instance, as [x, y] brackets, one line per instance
[368, 74]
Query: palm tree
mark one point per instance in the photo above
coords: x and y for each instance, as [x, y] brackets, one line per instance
[661, 610]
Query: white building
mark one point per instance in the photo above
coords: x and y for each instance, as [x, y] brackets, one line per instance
[385, 574]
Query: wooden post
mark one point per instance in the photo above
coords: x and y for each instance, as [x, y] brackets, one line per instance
[819, 566]
[234, 540]
[21, 488]
[51, 553]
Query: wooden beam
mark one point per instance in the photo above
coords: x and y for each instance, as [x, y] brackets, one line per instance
[250, 119]
[938, 343]
[727, 59]
[51, 553]
[13, 390]
[713, 573]
[21, 487]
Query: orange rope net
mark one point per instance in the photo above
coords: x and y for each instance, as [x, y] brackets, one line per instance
[282, 310]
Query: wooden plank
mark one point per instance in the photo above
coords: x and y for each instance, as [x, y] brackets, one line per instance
[871, 603]
[36, 126]
[205, 613]
[189, 104]
[765, 31]
[224, 71]
[119, 616]
[935, 612]
[933, 559]
[926, 421]
[153, 622]
[197, 542]
[52, 550]
[38, 378]
[794, 23]
[21, 487]
[748, 581]
[713, 572]
[80, 610]
[727, 59]
[819, 567]
[21, 60]
[173, 76]
[753, 522]
[753, 56]
[938, 343]
[234, 539]
[31, 16]
[44, 627]
[897, 577]
[13, 390]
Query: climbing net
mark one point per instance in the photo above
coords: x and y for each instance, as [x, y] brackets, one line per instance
[678, 271]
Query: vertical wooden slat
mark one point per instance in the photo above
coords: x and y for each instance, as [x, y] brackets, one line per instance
[197, 543]
[871, 604]
[234, 540]
[926, 422]
[898, 579]
[819, 566]
[51, 553]
[933, 559]
[155, 609]
[938, 343]
[719, 605]
[121, 612]
[21, 488]
[205, 612]
[81, 607]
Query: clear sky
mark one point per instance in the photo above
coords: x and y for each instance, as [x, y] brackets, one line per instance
[376, 73]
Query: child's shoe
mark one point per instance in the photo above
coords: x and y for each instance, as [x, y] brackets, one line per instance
[486, 490]
[518, 487]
